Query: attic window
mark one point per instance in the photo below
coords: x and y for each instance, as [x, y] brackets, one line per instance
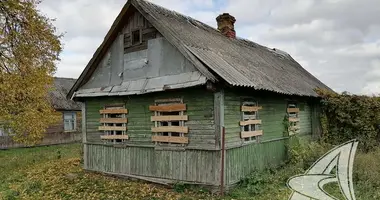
[114, 124]
[293, 117]
[250, 123]
[136, 37]
[169, 122]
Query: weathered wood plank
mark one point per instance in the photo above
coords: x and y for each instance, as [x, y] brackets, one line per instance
[250, 108]
[293, 110]
[112, 128]
[249, 122]
[174, 129]
[294, 128]
[168, 108]
[294, 119]
[171, 139]
[169, 118]
[114, 111]
[114, 137]
[246, 134]
[168, 100]
[113, 120]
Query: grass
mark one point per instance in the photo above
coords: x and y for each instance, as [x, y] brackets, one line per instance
[55, 172]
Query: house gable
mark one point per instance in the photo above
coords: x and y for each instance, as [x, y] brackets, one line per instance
[138, 60]
[133, 66]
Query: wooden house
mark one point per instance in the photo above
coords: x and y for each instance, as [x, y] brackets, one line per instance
[67, 130]
[167, 98]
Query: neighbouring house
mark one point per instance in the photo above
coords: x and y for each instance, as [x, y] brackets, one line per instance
[167, 98]
[67, 130]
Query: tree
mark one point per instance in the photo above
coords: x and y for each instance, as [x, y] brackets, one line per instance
[29, 51]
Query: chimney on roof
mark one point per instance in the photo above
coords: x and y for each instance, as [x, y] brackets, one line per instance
[226, 25]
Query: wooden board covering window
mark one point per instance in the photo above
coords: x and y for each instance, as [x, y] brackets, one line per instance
[168, 112]
[294, 119]
[113, 123]
[169, 118]
[112, 128]
[113, 120]
[293, 114]
[250, 108]
[247, 134]
[250, 123]
[168, 108]
[173, 129]
[293, 110]
[114, 111]
[114, 137]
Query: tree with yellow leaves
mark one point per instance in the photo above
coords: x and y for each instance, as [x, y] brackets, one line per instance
[29, 50]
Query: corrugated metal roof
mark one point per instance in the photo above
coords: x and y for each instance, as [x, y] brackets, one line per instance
[147, 85]
[239, 62]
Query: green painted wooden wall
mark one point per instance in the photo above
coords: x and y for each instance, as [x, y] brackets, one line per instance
[142, 158]
[272, 115]
[241, 161]
[200, 110]
[197, 166]
[199, 161]
[242, 157]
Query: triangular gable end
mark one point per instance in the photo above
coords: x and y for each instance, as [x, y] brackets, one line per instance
[134, 25]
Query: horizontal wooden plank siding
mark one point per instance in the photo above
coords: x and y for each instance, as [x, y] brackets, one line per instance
[199, 109]
[196, 166]
[242, 158]
[305, 119]
[241, 161]
[271, 115]
[171, 139]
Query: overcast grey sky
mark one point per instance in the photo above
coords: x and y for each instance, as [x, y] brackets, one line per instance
[338, 41]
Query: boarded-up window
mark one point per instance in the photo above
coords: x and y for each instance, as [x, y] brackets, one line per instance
[114, 124]
[169, 122]
[250, 122]
[293, 116]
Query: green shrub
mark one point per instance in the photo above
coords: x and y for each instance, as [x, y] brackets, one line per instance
[346, 117]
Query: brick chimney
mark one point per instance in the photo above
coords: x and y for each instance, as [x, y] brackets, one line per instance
[226, 25]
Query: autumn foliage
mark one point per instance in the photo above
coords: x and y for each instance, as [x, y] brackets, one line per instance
[347, 116]
[29, 50]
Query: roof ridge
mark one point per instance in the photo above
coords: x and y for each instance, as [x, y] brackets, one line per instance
[56, 77]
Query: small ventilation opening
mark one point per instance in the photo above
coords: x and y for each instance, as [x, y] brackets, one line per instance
[136, 37]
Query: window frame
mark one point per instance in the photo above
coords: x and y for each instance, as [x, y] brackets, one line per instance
[109, 135]
[253, 116]
[180, 139]
[72, 122]
[293, 117]
[132, 37]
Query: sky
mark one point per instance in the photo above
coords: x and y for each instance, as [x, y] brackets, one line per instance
[338, 41]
